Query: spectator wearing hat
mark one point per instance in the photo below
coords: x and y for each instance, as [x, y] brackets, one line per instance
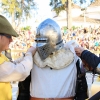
[11, 71]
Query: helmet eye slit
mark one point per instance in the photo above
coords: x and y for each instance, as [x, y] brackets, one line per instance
[45, 40]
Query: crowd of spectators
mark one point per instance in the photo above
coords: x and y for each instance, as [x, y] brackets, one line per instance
[87, 37]
[22, 43]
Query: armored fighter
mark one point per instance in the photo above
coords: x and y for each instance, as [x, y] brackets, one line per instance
[54, 72]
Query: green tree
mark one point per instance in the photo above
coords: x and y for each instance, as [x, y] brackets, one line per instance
[9, 7]
[60, 5]
[17, 9]
[26, 7]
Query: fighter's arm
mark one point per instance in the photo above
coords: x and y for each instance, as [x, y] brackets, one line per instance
[10, 71]
[21, 58]
[16, 72]
[88, 58]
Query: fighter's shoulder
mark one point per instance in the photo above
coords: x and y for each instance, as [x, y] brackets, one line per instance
[71, 43]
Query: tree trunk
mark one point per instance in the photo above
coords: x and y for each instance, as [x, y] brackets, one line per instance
[69, 16]
[13, 20]
[19, 21]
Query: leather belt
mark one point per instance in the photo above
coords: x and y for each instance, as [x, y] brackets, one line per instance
[69, 98]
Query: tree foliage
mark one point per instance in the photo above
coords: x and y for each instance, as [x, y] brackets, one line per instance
[83, 3]
[10, 6]
[18, 8]
[26, 28]
[59, 5]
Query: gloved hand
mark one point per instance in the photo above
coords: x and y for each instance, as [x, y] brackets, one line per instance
[79, 50]
[32, 50]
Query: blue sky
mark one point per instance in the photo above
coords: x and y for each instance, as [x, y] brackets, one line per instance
[44, 8]
[44, 11]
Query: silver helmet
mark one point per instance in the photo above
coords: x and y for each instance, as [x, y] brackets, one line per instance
[48, 38]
